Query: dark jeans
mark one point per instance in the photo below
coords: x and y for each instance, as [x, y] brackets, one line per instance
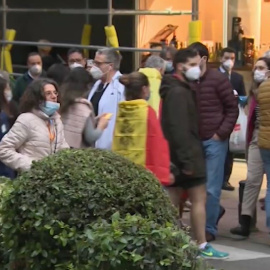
[228, 167]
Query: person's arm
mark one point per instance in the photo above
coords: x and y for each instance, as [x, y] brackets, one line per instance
[178, 127]
[230, 109]
[12, 141]
[91, 133]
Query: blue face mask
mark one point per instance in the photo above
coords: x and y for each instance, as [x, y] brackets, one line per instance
[169, 66]
[49, 107]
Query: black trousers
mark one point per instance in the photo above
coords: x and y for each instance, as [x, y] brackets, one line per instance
[228, 166]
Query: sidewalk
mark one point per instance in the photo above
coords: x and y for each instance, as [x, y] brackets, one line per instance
[230, 202]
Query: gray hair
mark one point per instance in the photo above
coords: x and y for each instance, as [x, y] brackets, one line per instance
[112, 56]
[155, 61]
[267, 54]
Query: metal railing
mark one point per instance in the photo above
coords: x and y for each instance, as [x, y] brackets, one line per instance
[68, 45]
[110, 12]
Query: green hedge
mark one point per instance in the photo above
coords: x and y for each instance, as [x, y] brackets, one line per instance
[58, 216]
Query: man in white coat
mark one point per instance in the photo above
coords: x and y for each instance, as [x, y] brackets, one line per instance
[107, 92]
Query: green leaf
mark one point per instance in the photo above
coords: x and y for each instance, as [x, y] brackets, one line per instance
[44, 253]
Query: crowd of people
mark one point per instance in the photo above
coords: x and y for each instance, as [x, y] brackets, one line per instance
[174, 116]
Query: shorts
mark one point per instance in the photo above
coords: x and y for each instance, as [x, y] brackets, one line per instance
[187, 182]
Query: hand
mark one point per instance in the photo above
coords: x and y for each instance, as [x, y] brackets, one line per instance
[100, 116]
[171, 179]
[186, 172]
[103, 122]
[216, 137]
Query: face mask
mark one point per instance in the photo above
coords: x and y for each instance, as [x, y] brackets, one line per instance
[96, 72]
[75, 65]
[35, 70]
[259, 76]
[193, 73]
[8, 95]
[169, 66]
[49, 107]
[228, 64]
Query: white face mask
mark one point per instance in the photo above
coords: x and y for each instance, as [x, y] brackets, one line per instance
[35, 70]
[8, 95]
[193, 73]
[96, 72]
[259, 76]
[228, 64]
[75, 65]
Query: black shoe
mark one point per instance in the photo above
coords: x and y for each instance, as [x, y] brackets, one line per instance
[222, 212]
[228, 187]
[240, 233]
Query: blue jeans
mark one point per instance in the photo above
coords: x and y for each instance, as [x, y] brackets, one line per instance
[265, 154]
[215, 154]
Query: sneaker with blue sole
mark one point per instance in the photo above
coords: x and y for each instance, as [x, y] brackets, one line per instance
[210, 253]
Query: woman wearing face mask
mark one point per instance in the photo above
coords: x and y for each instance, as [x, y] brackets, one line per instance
[254, 161]
[138, 134]
[7, 105]
[81, 127]
[38, 132]
[8, 114]
[264, 130]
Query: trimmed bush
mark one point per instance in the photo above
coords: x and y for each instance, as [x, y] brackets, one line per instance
[49, 214]
[133, 243]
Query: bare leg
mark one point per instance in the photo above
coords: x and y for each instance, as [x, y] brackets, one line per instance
[197, 197]
[175, 194]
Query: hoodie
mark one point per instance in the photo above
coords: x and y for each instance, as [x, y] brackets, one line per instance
[179, 120]
[138, 137]
[154, 78]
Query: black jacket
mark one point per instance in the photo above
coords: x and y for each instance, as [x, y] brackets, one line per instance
[237, 82]
[179, 120]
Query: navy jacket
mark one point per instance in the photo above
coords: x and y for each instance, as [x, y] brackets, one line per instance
[237, 82]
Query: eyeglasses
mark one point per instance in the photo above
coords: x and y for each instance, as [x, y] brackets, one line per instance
[96, 63]
[49, 94]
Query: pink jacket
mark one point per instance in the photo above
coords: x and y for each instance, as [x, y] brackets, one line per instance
[74, 121]
[29, 140]
[251, 123]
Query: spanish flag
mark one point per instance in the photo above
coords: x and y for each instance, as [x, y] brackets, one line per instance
[138, 137]
[154, 78]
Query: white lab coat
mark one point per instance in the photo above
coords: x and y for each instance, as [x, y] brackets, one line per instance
[108, 103]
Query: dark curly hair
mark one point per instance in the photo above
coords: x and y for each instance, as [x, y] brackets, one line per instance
[34, 94]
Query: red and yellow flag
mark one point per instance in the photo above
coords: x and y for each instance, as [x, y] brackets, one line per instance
[138, 137]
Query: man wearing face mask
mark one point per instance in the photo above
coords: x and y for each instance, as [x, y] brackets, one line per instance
[179, 120]
[218, 113]
[76, 58]
[107, 92]
[168, 54]
[34, 64]
[227, 63]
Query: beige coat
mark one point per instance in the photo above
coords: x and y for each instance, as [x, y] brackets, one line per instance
[74, 121]
[29, 140]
